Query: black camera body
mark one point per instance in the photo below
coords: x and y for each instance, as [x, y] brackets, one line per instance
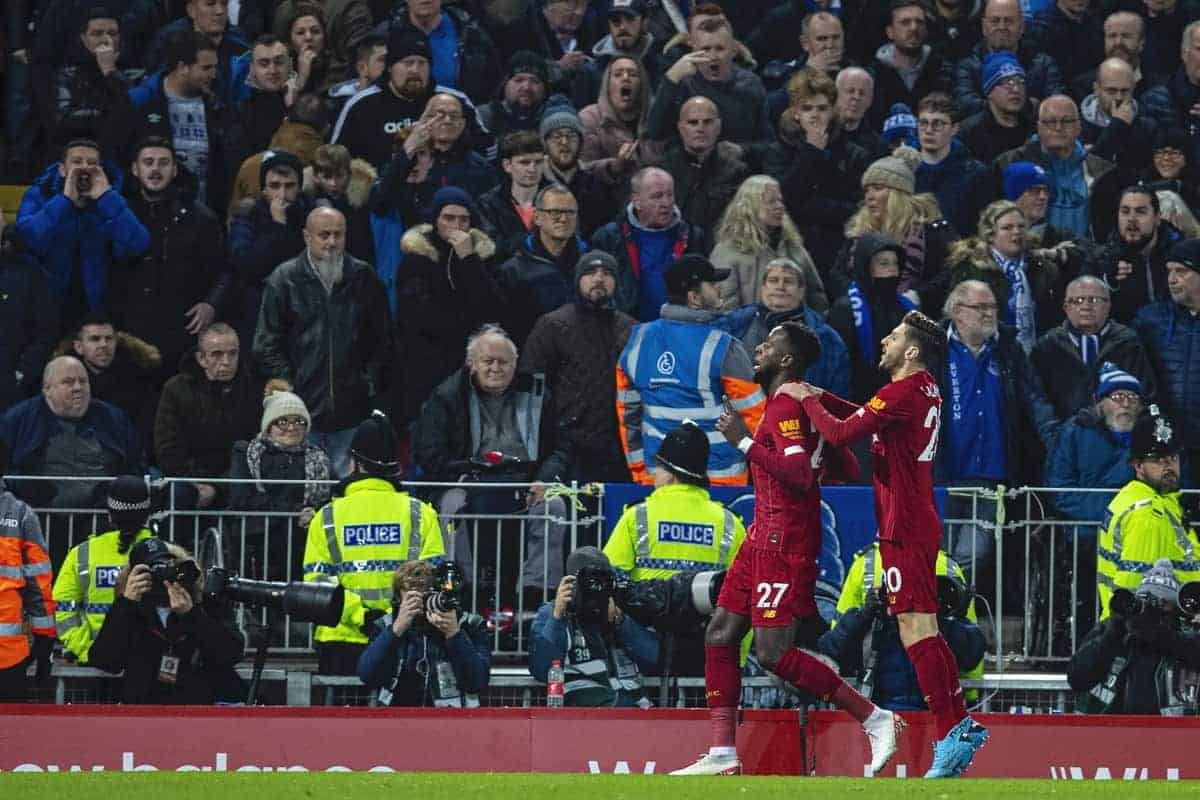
[1125, 603]
[444, 596]
[185, 573]
[593, 588]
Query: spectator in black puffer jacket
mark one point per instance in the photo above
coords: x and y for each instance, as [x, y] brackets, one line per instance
[1073, 33]
[446, 291]
[1004, 31]
[577, 347]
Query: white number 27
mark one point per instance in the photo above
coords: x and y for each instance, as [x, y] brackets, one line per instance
[933, 420]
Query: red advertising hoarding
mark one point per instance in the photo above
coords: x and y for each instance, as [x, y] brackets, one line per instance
[118, 738]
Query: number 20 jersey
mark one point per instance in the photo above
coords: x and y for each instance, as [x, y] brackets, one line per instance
[903, 451]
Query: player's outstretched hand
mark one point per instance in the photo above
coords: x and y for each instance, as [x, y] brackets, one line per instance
[798, 390]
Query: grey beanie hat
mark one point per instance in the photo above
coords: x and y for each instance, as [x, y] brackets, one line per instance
[896, 171]
[558, 118]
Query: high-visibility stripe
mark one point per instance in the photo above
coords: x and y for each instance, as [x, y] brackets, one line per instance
[736, 470]
[37, 568]
[727, 537]
[64, 625]
[680, 414]
[319, 568]
[370, 565]
[331, 539]
[635, 349]
[41, 622]
[636, 456]
[681, 564]
[642, 522]
[11, 572]
[793, 450]
[369, 595]
[714, 437]
[11, 629]
[707, 351]
[414, 529]
[749, 401]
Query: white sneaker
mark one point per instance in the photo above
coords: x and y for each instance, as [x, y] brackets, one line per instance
[882, 729]
[709, 764]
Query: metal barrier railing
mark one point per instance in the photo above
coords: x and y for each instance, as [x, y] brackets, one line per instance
[268, 545]
[1014, 550]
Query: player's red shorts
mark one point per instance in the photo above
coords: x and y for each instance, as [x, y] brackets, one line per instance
[770, 587]
[910, 574]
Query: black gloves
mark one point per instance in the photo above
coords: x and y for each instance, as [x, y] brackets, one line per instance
[43, 646]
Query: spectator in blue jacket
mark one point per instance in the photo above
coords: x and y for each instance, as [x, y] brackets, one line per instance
[1092, 452]
[1170, 330]
[420, 656]
[781, 299]
[1003, 28]
[604, 653]
[75, 221]
[66, 432]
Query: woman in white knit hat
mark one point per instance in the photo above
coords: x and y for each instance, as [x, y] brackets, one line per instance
[281, 452]
[892, 208]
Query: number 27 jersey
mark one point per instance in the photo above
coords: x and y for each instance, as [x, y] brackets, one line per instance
[903, 451]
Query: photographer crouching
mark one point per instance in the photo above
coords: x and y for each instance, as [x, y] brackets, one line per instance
[1145, 657]
[172, 650]
[427, 651]
[603, 651]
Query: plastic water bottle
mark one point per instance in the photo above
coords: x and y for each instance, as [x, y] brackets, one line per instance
[554, 685]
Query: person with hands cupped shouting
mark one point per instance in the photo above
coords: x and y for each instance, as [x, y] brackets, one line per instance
[171, 649]
[427, 651]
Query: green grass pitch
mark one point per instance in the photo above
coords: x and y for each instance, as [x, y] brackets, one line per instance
[464, 786]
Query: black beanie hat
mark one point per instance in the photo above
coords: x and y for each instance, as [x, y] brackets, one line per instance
[279, 158]
[407, 42]
[528, 62]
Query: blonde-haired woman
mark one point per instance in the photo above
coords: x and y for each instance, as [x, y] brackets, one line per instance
[754, 230]
[891, 208]
[1026, 283]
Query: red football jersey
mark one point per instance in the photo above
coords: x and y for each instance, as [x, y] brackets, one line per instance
[904, 418]
[787, 461]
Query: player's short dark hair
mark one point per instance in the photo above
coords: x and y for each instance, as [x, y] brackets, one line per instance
[803, 344]
[160, 142]
[928, 336]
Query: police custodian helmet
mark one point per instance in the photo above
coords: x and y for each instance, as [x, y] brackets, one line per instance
[1153, 435]
[684, 451]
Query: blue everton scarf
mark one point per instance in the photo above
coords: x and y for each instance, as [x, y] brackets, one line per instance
[864, 327]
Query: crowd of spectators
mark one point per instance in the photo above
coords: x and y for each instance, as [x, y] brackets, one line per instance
[459, 212]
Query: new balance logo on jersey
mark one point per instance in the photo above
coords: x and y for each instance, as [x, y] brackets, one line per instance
[685, 533]
[375, 533]
[106, 577]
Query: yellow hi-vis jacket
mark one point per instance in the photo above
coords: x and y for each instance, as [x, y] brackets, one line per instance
[678, 528]
[1140, 527]
[86, 587]
[358, 541]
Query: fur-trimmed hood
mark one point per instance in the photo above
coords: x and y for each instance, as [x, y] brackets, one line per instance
[362, 177]
[418, 242]
[141, 353]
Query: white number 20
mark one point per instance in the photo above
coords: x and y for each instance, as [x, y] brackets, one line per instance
[764, 590]
[932, 420]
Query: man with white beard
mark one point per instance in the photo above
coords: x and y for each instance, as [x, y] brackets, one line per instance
[325, 327]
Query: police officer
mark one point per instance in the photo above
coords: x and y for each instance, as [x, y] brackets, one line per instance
[361, 536]
[678, 527]
[1145, 521]
[87, 579]
[866, 641]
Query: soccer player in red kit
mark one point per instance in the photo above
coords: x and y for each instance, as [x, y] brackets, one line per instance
[772, 582]
[903, 419]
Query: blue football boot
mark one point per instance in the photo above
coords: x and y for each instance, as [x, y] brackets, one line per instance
[953, 754]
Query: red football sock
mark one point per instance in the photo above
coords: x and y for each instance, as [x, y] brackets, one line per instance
[723, 685]
[937, 672]
[813, 675]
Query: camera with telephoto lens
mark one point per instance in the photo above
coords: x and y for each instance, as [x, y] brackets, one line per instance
[443, 597]
[954, 596]
[321, 603]
[1125, 603]
[680, 604]
[593, 588]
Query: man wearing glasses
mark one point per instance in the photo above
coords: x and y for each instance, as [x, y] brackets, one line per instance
[995, 417]
[958, 180]
[1070, 358]
[537, 279]
[1083, 186]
